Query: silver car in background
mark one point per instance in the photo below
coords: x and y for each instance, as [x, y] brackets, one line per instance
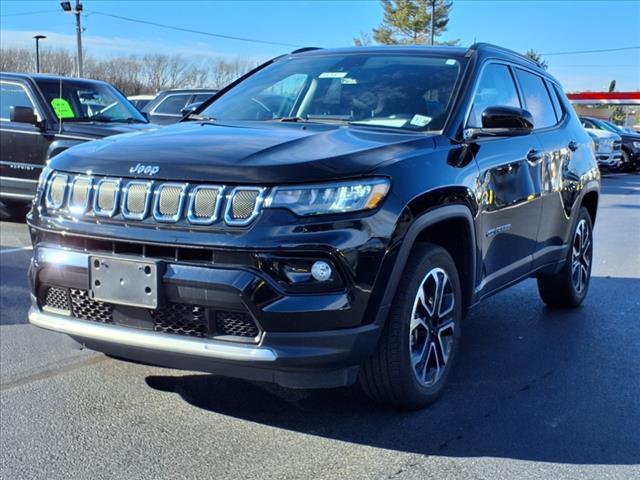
[608, 148]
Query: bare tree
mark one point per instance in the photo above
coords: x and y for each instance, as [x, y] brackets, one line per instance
[132, 74]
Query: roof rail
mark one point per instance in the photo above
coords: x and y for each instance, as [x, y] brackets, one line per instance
[306, 49]
[483, 45]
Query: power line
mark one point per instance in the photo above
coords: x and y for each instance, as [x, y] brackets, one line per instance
[591, 51]
[27, 13]
[199, 32]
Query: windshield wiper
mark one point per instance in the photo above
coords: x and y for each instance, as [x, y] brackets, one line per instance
[314, 119]
[289, 119]
[125, 120]
[199, 117]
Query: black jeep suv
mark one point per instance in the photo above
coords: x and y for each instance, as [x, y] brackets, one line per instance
[42, 115]
[331, 216]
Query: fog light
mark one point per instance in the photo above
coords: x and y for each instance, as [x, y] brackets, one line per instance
[321, 271]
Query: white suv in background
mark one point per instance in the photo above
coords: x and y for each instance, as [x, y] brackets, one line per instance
[608, 147]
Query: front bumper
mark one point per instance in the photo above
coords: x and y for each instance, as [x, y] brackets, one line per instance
[609, 159]
[290, 350]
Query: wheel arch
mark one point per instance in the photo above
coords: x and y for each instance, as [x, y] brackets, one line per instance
[433, 226]
[590, 202]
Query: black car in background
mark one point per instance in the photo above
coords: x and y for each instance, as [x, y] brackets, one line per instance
[630, 141]
[330, 217]
[168, 105]
[42, 115]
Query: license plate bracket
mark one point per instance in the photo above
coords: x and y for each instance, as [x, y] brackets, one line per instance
[121, 281]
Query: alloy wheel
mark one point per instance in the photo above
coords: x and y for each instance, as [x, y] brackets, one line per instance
[432, 327]
[581, 256]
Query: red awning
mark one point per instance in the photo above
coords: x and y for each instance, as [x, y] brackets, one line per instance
[604, 98]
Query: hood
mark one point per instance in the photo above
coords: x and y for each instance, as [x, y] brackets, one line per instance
[595, 133]
[103, 129]
[250, 152]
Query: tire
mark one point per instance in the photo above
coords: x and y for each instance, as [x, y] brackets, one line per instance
[627, 165]
[397, 373]
[13, 210]
[569, 287]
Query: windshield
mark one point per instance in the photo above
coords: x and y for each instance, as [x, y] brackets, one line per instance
[88, 102]
[398, 91]
[604, 125]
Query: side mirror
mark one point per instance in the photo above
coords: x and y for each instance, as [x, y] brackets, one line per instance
[192, 107]
[507, 118]
[23, 115]
[502, 121]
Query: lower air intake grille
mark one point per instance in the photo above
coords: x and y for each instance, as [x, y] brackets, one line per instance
[85, 308]
[235, 323]
[57, 299]
[180, 319]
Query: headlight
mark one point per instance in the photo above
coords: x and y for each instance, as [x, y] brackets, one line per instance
[605, 145]
[636, 145]
[336, 197]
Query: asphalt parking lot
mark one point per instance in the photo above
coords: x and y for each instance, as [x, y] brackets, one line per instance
[537, 393]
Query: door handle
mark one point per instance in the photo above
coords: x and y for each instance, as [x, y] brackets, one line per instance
[573, 145]
[534, 156]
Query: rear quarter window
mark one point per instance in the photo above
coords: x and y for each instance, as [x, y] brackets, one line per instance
[172, 104]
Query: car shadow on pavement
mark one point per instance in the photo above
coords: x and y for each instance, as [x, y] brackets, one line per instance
[531, 383]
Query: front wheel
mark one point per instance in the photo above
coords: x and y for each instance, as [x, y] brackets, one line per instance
[418, 346]
[568, 288]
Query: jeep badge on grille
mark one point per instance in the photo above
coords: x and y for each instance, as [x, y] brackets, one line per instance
[146, 169]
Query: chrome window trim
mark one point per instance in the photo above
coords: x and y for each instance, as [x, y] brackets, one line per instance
[229, 220]
[70, 195]
[216, 212]
[48, 201]
[157, 216]
[96, 208]
[147, 201]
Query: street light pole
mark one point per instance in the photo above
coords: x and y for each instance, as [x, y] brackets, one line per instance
[77, 11]
[66, 6]
[38, 38]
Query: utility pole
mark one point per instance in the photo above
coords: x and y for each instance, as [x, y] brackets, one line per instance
[79, 36]
[433, 21]
[38, 38]
[66, 6]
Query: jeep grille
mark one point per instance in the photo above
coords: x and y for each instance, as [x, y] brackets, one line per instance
[167, 202]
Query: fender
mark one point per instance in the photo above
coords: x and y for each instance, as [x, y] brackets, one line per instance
[58, 146]
[422, 222]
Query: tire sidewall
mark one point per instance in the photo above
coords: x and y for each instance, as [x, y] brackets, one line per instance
[579, 297]
[434, 257]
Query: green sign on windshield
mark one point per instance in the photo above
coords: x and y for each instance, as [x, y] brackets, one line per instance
[62, 108]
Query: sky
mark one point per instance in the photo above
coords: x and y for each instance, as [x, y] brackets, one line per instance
[548, 27]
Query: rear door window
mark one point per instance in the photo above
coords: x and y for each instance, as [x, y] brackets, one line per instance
[201, 97]
[536, 99]
[172, 104]
[495, 89]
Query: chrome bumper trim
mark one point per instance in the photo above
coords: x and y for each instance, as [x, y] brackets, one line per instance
[60, 256]
[149, 340]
